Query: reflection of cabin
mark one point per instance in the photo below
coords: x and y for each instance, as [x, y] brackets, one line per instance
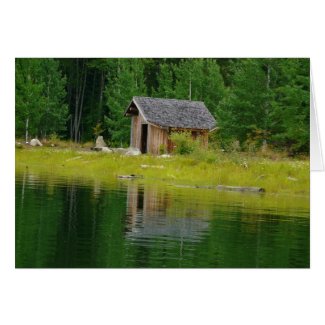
[153, 119]
[151, 212]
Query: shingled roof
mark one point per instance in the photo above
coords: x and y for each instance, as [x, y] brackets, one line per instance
[173, 113]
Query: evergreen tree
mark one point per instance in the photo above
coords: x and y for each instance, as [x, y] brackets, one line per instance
[213, 89]
[200, 79]
[292, 105]
[55, 114]
[189, 79]
[30, 102]
[128, 82]
[243, 112]
[40, 94]
[165, 81]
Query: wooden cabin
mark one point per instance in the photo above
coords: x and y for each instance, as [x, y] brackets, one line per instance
[153, 120]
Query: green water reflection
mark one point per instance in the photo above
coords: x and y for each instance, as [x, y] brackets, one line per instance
[70, 223]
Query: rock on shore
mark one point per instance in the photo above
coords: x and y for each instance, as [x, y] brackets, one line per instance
[35, 142]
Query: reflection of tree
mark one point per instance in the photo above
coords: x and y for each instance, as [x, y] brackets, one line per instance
[86, 227]
[67, 236]
[275, 242]
[36, 222]
[137, 225]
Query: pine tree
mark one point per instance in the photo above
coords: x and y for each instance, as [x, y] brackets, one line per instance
[40, 95]
[165, 81]
[29, 98]
[55, 113]
[292, 105]
[199, 79]
[128, 82]
[243, 111]
[189, 79]
[213, 89]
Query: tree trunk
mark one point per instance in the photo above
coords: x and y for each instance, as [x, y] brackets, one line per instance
[48, 106]
[80, 91]
[92, 96]
[70, 117]
[266, 124]
[26, 128]
[75, 131]
[101, 95]
[81, 103]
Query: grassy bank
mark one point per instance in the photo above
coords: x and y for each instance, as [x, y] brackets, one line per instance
[285, 176]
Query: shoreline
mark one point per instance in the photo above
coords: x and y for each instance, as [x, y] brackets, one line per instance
[284, 176]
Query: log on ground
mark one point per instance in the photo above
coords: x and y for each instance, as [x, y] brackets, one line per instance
[226, 188]
[132, 176]
[240, 188]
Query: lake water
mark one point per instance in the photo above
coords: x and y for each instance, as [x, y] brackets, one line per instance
[70, 223]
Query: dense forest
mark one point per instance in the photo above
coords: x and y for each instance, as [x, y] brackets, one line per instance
[255, 101]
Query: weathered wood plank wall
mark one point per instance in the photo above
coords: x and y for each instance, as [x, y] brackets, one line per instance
[157, 137]
[136, 123]
[204, 136]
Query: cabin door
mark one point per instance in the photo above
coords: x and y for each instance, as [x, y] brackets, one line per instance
[144, 137]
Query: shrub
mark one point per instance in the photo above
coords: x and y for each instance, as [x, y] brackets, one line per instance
[250, 146]
[98, 130]
[232, 146]
[162, 149]
[54, 137]
[183, 143]
[53, 140]
[215, 141]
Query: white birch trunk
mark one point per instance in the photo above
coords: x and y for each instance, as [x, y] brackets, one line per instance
[26, 129]
[267, 107]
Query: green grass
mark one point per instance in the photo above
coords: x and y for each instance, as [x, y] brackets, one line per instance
[286, 176]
